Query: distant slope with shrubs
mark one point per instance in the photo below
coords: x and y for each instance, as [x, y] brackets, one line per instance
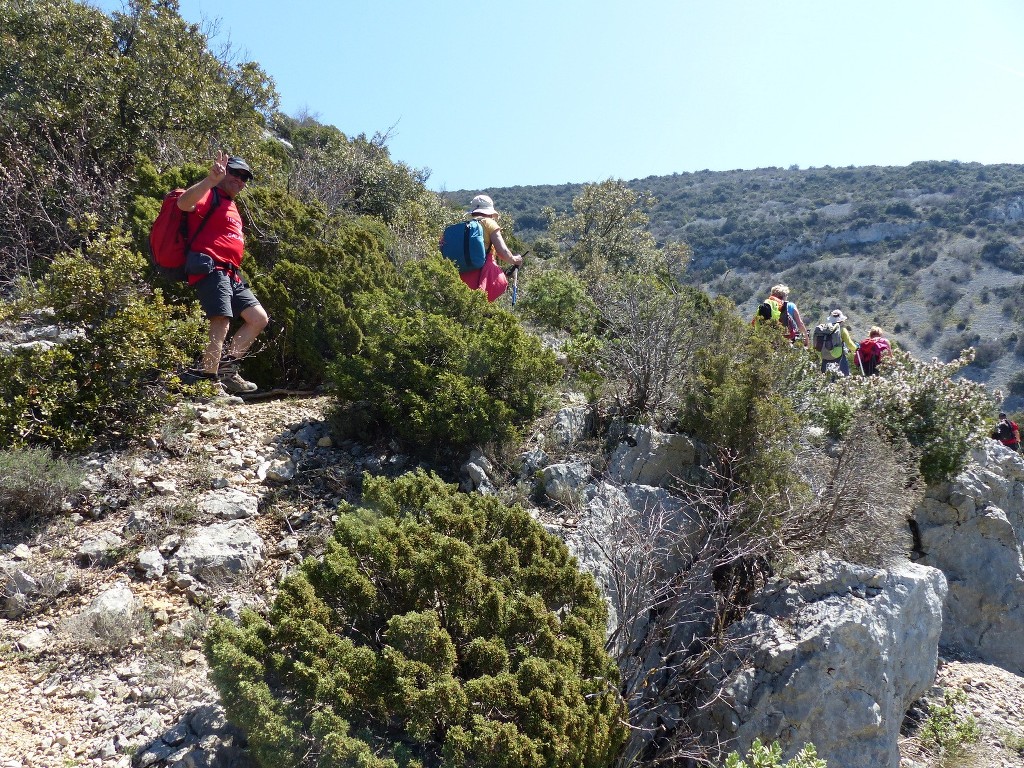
[932, 252]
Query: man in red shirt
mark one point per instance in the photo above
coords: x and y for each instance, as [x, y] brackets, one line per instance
[214, 269]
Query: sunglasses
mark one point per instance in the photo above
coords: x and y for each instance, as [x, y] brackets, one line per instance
[243, 175]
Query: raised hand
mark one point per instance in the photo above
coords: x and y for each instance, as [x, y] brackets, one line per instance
[219, 169]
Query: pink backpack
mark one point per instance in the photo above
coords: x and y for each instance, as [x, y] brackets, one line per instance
[871, 351]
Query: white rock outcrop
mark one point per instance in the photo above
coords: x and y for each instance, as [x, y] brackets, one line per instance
[972, 529]
[834, 657]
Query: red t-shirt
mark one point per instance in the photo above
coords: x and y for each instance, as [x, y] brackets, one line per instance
[221, 237]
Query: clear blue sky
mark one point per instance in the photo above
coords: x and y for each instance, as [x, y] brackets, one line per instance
[550, 91]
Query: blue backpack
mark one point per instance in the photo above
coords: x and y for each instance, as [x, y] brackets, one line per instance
[463, 243]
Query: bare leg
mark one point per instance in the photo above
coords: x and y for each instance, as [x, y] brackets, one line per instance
[218, 332]
[255, 320]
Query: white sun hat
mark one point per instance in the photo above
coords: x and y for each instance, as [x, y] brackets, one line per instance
[482, 204]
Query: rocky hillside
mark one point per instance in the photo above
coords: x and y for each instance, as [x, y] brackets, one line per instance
[104, 606]
[932, 252]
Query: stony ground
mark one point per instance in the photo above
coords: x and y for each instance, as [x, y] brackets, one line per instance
[995, 698]
[75, 700]
[68, 699]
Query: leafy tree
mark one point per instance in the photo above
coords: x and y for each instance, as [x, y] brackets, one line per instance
[82, 94]
[439, 629]
[608, 225]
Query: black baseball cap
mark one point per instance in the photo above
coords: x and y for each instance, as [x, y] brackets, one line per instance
[238, 164]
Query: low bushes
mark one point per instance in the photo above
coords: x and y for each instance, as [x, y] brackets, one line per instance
[34, 482]
[111, 378]
[441, 368]
[761, 756]
[558, 299]
[439, 629]
[940, 416]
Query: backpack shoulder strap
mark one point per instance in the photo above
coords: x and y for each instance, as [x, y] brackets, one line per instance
[206, 218]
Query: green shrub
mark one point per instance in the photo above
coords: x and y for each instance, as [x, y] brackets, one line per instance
[742, 400]
[559, 300]
[1016, 384]
[112, 379]
[761, 756]
[987, 353]
[583, 354]
[33, 482]
[833, 411]
[308, 284]
[438, 629]
[946, 731]
[440, 367]
[941, 416]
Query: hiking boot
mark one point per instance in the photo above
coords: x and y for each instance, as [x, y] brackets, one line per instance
[233, 382]
[222, 396]
[219, 396]
[231, 378]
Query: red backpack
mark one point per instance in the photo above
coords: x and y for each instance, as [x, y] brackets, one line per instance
[871, 350]
[168, 238]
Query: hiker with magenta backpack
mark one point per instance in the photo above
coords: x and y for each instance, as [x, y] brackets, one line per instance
[831, 340]
[476, 245]
[778, 309]
[1007, 432]
[871, 351]
[213, 268]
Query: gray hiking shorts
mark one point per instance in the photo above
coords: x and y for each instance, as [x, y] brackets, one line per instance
[219, 294]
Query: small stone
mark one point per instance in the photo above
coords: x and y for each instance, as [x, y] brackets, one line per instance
[281, 471]
[165, 487]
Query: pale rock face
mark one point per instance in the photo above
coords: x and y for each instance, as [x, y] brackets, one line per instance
[220, 552]
[572, 424]
[649, 457]
[836, 658]
[229, 504]
[972, 529]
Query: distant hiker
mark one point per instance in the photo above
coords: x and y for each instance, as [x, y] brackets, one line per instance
[871, 351]
[1007, 432]
[490, 278]
[214, 269]
[777, 308]
[831, 340]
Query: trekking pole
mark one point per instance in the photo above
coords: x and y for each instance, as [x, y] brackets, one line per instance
[860, 361]
[515, 280]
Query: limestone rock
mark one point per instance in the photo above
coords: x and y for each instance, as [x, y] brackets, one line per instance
[220, 552]
[648, 457]
[973, 530]
[835, 659]
[229, 504]
[565, 482]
